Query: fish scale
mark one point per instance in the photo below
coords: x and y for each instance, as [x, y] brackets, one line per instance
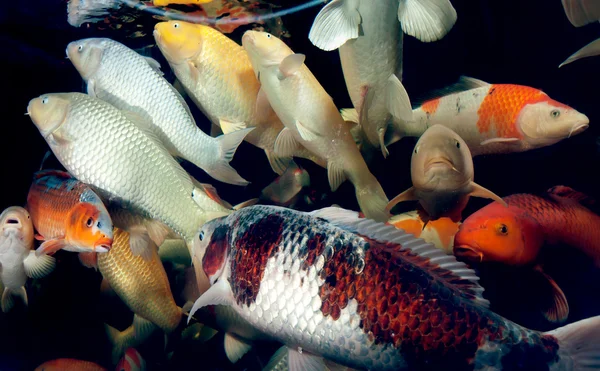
[362, 302]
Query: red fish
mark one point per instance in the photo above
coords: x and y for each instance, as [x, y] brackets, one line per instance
[131, 361]
[69, 364]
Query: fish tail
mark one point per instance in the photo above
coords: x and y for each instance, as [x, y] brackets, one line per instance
[132, 336]
[372, 199]
[578, 345]
[8, 302]
[228, 144]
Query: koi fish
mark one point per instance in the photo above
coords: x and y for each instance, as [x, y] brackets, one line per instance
[439, 232]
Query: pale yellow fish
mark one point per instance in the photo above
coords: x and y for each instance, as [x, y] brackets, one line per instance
[217, 74]
[311, 118]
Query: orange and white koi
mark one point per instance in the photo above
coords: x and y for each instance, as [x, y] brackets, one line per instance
[439, 232]
[68, 215]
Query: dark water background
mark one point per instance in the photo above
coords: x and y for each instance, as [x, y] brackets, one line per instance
[499, 41]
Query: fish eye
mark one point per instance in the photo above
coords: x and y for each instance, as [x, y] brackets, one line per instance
[502, 229]
[268, 35]
[175, 25]
[201, 235]
[416, 150]
[555, 113]
[45, 100]
[89, 222]
[80, 47]
[457, 144]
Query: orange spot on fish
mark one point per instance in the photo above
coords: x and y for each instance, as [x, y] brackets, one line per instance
[445, 228]
[411, 226]
[431, 106]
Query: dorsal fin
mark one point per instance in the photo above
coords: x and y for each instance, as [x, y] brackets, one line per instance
[56, 173]
[463, 84]
[568, 192]
[423, 254]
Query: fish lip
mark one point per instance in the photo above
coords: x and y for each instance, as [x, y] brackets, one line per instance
[468, 253]
[103, 245]
[579, 127]
[438, 161]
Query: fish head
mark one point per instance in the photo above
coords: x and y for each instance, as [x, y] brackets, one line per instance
[132, 361]
[16, 221]
[547, 121]
[49, 112]
[86, 55]
[500, 234]
[180, 41]
[441, 160]
[89, 227]
[211, 247]
[264, 49]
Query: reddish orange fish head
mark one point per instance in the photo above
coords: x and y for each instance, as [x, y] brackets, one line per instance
[89, 228]
[545, 121]
[498, 234]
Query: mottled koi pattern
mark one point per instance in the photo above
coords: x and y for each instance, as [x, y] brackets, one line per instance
[431, 106]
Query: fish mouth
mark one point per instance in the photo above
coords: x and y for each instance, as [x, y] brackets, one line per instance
[440, 162]
[578, 128]
[468, 253]
[103, 245]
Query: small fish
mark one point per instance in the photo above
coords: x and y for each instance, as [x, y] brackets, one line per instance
[515, 235]
[439, 232]
[69, 364]
[311, 119]
[495, 118]
[67, 214]
[330, 285]
[131, 82]
[131, 361]
[442, 175]
[17, 259]
[226, 92]
[369, 39]
[108, 149]
[144, 287]
[285, 190]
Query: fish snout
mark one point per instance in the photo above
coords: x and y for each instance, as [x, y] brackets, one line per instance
[103, 245]
[248, 38]
[468, 254]
[580, 126]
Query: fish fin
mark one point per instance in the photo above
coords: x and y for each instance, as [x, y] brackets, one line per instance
[427, 20]
[39, 237]
[91, 88]
[278, 163]
[349, 115]
[215, 130]
[88, 259]
[558, 311]
[51, 246]
[278, 361]
[139, 242]
[154, 64]
[250, 202]
[579, 344]
[262, 106]
[463, 84]
[38, 266]
[335, 174]
[8, 301]
[580, 12]
[408, 195]
[372, 200]
[235, 348]
[363, 116]
[291, 64]
[306, 133]
[119, 341]
[218, 294]
[335, 24]
[143, 328]
[568, 192]
[212, 192]
[229, 144]
[397, 101]
[479, 191]
[590, 50]
[462, 278]
[499, 140]
[229, 126]
[286, 144]
[299, 360]
[157, 231]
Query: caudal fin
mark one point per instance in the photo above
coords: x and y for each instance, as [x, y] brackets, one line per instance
[579, 345]
[8, 298]
[228, 144]
[372, 201]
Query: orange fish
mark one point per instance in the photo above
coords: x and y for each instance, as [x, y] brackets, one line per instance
[514, 235]
[69, 364]
[68, 215]
[439, 232]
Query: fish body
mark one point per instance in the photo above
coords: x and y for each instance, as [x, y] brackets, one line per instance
[499, 118]
[69, 364]
[311, 118]
[102, 147]
[439, 232]
[285, 190]
[68, 214]
[226, 92]
[442, 173]
[515, 235]
[131, 82]
[365, 295]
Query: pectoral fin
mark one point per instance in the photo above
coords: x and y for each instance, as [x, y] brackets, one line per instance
[306, 133]
[285, 144]
[291, 64]
[49, 247]
[218, 294]
[335, 24]
[335, 174]
[235, 348]
[408, 195]
[38, 266]
[558, 310]
[479, 191]
[499, 140]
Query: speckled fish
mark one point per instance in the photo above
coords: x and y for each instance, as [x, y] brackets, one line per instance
[67, 214]
[439, 232]
[144, 287]
[311, 119]
[496, 118]
[17, 258]
[226, 92]
[131, 82]
[69, 364]
[104, 147]
[366, 295]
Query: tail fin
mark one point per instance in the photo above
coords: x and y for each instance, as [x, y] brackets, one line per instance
[579, 345]
[132, 336]
[228, 144]
[372, 200]
[8, 300]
